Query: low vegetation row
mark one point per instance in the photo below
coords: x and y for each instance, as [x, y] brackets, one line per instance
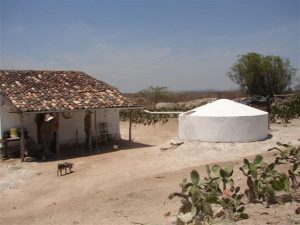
[216, 197]
[286, 109]
[281, 109]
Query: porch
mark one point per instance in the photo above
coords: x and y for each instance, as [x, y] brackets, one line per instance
[69, 137]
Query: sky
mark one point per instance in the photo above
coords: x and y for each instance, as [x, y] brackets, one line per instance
[134, 44]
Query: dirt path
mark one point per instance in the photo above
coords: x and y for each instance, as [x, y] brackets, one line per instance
[129, 186]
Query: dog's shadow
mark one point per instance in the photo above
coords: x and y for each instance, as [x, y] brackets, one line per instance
[64, 174]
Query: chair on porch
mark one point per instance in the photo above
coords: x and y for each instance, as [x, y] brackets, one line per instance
[104, 135]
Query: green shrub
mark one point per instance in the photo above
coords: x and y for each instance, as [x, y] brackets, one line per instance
[290, 155]
[286, 109]
[199, 195]
[263, 180]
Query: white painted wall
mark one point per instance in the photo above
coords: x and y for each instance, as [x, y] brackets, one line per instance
[67, 127]
[111, 116]
[1, 118]
[12, 120]
[1, 106]
[223, 129]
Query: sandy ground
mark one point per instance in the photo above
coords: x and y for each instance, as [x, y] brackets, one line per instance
[128, 186]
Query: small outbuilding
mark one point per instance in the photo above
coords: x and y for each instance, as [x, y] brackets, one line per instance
[26, 96]
[224, 121]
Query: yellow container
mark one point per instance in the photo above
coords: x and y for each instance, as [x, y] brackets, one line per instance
[13, 132]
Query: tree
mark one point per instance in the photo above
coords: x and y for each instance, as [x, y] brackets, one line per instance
[155, 94]
[262, 75]
[297, 86]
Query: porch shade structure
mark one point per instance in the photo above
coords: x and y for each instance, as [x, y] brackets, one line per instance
[47, 91]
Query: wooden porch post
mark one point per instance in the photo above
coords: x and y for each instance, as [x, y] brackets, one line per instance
[57, 136]
[95, 117]
[90, 130]
[130, 124]
[22, 144]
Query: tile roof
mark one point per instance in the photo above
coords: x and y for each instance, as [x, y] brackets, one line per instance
[37, 91]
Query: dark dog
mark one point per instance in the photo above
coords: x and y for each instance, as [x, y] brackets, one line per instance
[65, 166]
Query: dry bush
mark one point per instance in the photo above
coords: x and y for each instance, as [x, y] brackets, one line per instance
[184, 96]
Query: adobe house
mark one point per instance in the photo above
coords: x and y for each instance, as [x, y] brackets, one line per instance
[26, 95]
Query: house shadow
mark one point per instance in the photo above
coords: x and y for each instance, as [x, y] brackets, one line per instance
[68, 152]
[77, 151]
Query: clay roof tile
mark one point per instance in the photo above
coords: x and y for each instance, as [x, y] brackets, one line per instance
[34, 91]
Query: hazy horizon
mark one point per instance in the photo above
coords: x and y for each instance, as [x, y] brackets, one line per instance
[131, 44]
